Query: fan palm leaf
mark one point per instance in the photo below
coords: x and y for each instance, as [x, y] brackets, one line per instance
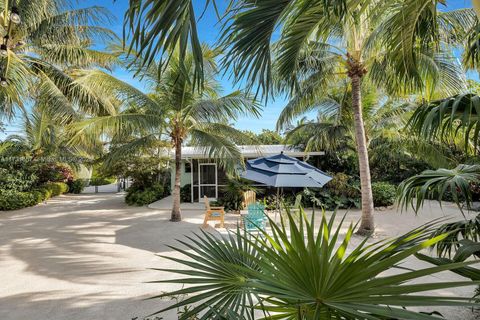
[435, 183]
[307, 272]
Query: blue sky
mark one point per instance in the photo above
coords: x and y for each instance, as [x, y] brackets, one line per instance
[209, 32]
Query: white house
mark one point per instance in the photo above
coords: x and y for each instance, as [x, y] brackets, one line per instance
[206, 177]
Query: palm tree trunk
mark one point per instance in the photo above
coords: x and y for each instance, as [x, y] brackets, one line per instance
[176, 214]
[367, 225]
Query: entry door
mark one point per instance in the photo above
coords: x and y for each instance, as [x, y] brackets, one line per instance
[207, 177]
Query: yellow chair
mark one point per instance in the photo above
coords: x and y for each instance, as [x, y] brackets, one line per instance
[249, 197]
[213, 214]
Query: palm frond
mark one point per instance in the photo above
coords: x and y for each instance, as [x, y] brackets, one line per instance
[227, 108]
[160, 27]
[218, 144]
[447, 117]
[434, 184]
[284, 271]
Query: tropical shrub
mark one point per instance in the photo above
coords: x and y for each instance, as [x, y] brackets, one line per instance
[143, 196]
[76, 186]
[384, 194]
[45, 192]
[53, 172]
[56, 188]
[101, 181]
[186, 193]
[342, 192]
[13, 200]
[284, 273]
[343, 185]
[232, 194]
[17, 180]
[390, 162]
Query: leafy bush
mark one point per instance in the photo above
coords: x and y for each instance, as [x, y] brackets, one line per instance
[343, 192]
[76, 186]
[141, 197]
[232, 198]
[17, 180]
[56, 188]
[101, 181]
[384, 194]
[256, 271]
[46, 193]
[186, 193]
[13, 200]
[53, 172]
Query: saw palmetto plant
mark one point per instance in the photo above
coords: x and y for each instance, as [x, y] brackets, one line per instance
[307, 271]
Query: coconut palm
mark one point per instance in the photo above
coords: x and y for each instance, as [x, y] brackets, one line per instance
[348, 50]
[173, 109]
[41, 52]
[43, 136]
[360, 28]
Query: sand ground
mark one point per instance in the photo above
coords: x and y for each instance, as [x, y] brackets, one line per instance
[88, 257]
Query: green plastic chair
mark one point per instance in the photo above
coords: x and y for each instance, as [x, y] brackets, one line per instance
[256, 219]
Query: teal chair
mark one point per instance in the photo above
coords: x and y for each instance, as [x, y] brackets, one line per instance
[256, 219]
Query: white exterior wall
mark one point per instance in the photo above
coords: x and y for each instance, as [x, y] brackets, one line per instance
[185, 178]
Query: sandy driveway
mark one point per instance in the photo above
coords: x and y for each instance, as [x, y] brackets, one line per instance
[87, 257]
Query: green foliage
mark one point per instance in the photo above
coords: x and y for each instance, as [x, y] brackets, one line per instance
[232, 197]
[186, 193]
[56, 188]
[343, 191]
[434, 184]
[453, 116]
[53, 172]
[76, 186]
[101, 181]
[13, 200]
[17, 174]
[284, 272]
[267, 137]
[16, 180]
[384, 194]
[390, 162]
[145, 170]
[141, 196]
[43, 193]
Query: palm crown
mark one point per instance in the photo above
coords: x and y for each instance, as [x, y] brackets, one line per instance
[175, 109]
[44, 48]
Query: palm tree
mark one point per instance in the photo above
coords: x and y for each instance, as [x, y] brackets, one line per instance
[43, 136]
[307, 67]
[41, 52]
[374, 37]
[173, 109]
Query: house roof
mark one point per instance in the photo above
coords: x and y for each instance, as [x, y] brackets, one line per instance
[251, 151]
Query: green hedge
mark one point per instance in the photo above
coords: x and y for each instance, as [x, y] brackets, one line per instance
[13, 200]
[384, 194]
[146, 196]
[76, 186]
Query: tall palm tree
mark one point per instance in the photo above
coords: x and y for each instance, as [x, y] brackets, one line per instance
[174, 108]
[52, 40]
[315, 49]
[375, 38]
